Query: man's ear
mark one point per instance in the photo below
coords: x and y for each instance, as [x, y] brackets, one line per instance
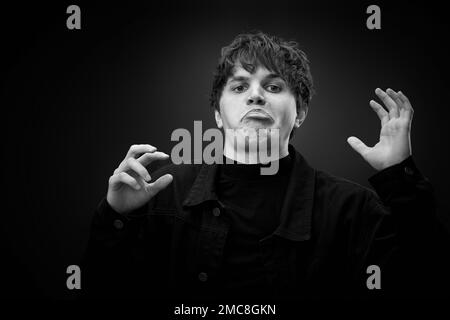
[301, 116]
[218, 119]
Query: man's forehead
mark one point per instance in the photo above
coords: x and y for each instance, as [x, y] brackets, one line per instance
[239, 72]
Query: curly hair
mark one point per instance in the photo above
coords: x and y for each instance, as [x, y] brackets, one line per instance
[275, 54]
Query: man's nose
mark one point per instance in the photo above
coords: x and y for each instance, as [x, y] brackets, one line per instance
[256, 98]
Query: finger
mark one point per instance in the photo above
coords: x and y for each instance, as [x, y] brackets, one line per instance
[120, 178]
[388, 102]
[380, 111]
[358, 145]
[158, 185]
[409, 111]
[144, 160]
[401, 105]
[395, 96]
[137, 149]
[135, 166]
[147, 158]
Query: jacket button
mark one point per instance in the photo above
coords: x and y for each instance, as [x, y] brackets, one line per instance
[409, 171]
[216, 212]
[118, 224]
[202, 276]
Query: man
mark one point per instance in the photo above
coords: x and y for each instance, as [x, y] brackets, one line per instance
[221, 230]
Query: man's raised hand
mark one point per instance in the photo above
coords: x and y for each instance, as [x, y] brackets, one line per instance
[395, 142]
[129, 187]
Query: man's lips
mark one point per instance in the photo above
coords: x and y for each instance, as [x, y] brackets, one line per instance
[258, 114]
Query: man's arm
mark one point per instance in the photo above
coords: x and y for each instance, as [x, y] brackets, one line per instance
[406, 241]
[408, 237]
[112, 264]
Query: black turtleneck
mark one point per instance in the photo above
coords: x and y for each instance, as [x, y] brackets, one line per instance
[253, 206]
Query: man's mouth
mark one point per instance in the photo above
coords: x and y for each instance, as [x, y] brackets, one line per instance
[258, 114]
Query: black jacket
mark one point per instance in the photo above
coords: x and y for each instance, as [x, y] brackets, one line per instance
[331, 231]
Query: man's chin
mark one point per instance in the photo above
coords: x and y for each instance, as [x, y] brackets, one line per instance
[259, 139]
[254, 133]
[256, 125]
[254, 130]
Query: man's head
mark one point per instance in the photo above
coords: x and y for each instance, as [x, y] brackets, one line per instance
[262, 81]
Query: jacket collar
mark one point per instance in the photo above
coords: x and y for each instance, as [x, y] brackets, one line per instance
[296, 212]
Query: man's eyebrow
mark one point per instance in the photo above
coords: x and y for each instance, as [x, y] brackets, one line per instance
[243, 78]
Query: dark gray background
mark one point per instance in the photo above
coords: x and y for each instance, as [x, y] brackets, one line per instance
[74, 101]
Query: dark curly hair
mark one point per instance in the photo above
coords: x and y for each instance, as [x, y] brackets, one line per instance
[275, 54]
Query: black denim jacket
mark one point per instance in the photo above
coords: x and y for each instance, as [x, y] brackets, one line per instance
[331, 230]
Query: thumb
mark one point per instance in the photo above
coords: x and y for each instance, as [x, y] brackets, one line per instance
[357, 145]
[158, 185]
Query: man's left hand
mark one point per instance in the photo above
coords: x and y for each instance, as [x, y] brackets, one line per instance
[395, 141]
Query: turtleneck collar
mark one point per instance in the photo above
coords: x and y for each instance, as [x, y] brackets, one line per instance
[243, 171]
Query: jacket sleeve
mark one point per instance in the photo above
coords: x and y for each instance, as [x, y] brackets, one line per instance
[107, 266]
[409, 239]
[127, 256]
[410, 198]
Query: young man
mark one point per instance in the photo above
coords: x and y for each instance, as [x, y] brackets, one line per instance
[226, 230]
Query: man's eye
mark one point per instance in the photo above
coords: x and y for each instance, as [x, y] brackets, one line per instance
[239, 89]
[273, 88]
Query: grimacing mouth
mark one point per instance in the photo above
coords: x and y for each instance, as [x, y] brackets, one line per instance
[256, 111]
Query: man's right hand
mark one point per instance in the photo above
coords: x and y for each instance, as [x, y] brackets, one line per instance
[129, 187]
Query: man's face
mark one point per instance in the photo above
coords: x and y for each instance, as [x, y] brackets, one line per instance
[258, 100]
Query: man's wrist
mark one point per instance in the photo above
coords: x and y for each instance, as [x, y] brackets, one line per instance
[400, 175]
[111, 217]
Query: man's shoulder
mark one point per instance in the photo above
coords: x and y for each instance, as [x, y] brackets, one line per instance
[340, 195]
[330, 185]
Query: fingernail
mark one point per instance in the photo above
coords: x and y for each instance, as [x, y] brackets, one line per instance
[147, 177]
